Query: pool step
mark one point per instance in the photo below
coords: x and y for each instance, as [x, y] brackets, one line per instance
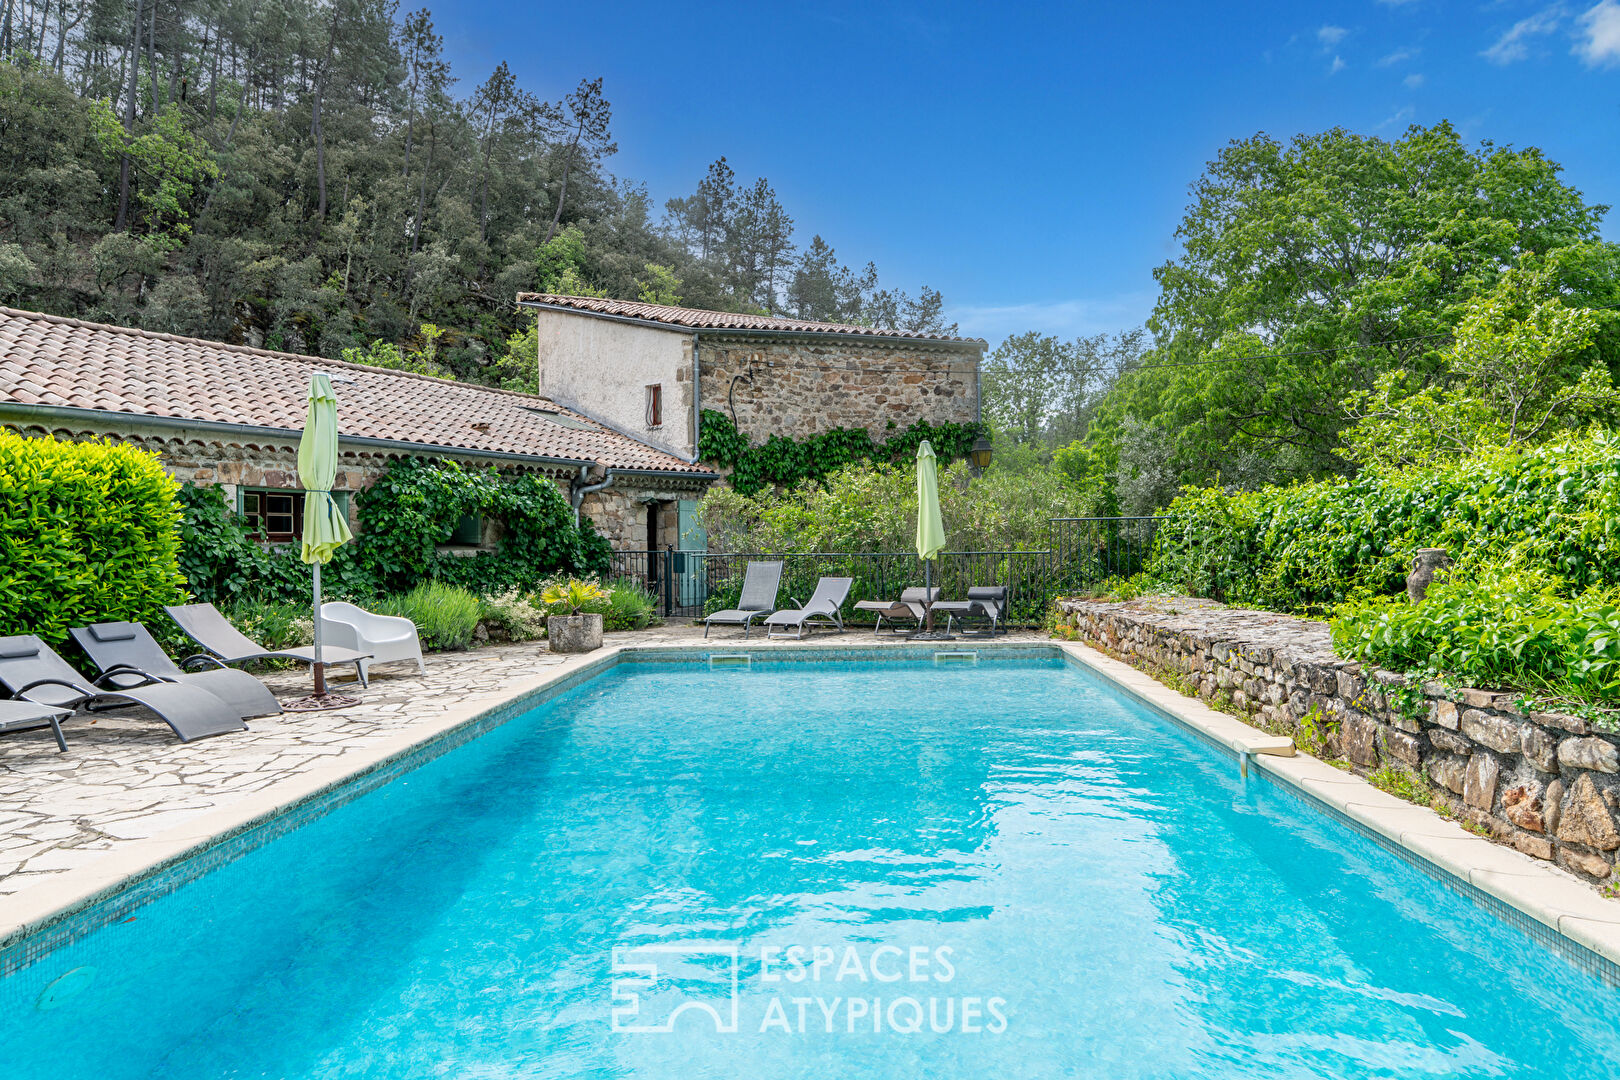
[965, 656]
[717, 661]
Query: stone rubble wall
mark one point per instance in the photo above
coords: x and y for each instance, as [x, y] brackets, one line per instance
[800, 387]
[1544, 783]
[619, 512]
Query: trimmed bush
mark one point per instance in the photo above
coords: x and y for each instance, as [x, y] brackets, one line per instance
[1553, 511]
[89, 532]
[446, 616]
[1504, 631]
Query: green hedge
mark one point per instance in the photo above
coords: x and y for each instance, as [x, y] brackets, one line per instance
[1502, 630]
[87, 534]
[1553, 511]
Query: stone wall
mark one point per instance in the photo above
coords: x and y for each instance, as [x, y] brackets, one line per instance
[1544, 783]
[619, 512]
[800, 387]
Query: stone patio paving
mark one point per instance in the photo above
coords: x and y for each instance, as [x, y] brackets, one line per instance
[126, 778]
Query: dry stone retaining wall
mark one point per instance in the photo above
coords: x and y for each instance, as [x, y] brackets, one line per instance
[1544, 783]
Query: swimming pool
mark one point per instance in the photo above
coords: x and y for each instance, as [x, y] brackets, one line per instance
[814, 869]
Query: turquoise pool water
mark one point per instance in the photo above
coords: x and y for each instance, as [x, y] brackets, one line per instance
[1039, 876]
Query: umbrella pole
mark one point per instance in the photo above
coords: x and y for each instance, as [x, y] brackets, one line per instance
[320, 668]
[928, 590]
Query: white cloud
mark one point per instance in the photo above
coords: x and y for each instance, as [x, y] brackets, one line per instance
[1514, 45]
[1331, 35]
[1398, 117]
[1065, 318]
[1400, 56]
[1599, 43]
[1337, 66]
[1413, 81]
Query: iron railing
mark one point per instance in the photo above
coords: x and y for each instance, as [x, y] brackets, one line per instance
[1083, 552]
[1088, 551]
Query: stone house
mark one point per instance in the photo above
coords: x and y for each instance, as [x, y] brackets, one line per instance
[231, 415]
[649, 371]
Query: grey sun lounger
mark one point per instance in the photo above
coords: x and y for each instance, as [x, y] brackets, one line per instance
[128, 655]
[761, 581]
[29, 716]
[913, 604]
[985, 604]
[824, 605]
[221, 641]
[31, 670]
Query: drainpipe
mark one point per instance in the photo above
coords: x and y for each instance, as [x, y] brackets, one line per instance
[579, 489]
[697, 404]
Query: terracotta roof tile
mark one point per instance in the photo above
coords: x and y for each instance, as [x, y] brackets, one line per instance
[50, 360]
[698, 319]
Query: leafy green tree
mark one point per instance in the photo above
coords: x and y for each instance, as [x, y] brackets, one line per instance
[1038, 389]
[660, 286]
[519, 367]
[1515, 376]
[169, 161]
[1310, 269]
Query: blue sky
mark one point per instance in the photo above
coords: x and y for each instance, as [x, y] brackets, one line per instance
[1032, 160]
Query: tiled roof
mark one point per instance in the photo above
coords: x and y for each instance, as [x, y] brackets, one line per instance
[54, 361]
[698, 319]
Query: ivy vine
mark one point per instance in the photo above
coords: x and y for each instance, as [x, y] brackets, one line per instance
[404, 518]
[785, 462]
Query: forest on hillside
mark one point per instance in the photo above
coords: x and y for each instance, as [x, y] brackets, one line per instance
[311, 175]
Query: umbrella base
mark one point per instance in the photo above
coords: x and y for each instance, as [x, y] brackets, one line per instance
[320, 703]
[930, 635]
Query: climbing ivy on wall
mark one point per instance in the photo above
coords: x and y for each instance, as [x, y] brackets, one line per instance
[785, 462]
[404, 518]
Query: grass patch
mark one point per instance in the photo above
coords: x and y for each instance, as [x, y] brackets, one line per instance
[1412, 787]
[445, 615]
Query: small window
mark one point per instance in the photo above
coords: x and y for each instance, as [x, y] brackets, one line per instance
[468, 531]
[655, 405]
[276, 516]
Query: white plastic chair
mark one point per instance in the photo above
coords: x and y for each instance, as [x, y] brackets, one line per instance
[385, 637]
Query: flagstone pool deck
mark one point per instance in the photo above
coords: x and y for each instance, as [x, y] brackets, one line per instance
[127, 779]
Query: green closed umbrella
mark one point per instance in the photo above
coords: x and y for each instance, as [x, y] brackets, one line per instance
[930, 525]
[325, 527]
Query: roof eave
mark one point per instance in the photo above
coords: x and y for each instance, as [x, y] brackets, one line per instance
[954, 344]
[74, 414]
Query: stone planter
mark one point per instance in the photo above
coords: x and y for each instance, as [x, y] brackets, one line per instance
[574, 633]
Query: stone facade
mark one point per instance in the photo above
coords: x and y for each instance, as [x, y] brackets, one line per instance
[1544, 783]
[803, 386]
[618, 512]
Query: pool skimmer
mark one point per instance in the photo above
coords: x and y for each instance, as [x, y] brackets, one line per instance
[717, 661]
[965, 656]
